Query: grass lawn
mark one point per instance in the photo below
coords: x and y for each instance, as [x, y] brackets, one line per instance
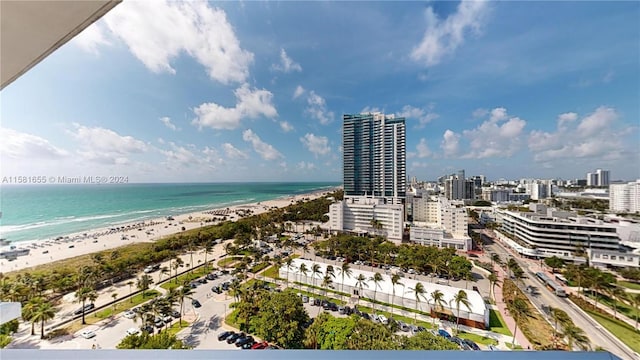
[126, 304]
[621, 307]
[497, 325]
[176, 328]
[510, 346]
[272, 272]
[622, 331]
[479, 339]
[228, 261]
[406, 319]
[186, 277]
[629, 285]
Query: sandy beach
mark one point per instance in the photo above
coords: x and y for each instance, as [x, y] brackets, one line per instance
[72, 245]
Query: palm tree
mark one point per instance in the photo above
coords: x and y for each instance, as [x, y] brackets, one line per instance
[326, 283]
[376, 225]
[177, 263]
[460, 298]
[345, 269]
[114, 296]
[185, 292]
[518, 309]
[420, 292]
[376, 278]
[495, 258]
[575, 335]
[207, 249]
[395, 280]
[82, 295]
[143, 284]
[315, 270]
[616, 293]
[361, 281]
[289, 265]
[304, 271]
[438, 301]
[130, 283]
[29, 310]
[43, 313]
[560, 316]
[493, 281]
[512, 264]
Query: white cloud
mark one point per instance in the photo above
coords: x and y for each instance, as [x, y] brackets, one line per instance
[306, 165]
[443, 37]
[423, 115]
[106, 146]
[497, 137]
[285, 126]
[423, 150]
[479, 113]
[266, 151]
[19, 145]
[286, 65]
[157, 32]
[318, 145]
[593, 137]
[167, 122]
[450, 143]
[92, 38]
[233, 153]
[369, 109]
[250, 103]
[298, 92]
[178, 157]
[318, 108]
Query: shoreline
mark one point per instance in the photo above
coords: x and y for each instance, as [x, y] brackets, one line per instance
[111, 237]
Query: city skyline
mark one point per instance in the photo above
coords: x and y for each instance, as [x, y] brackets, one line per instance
[256, 91]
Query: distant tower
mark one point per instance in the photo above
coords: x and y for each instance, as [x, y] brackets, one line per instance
[374, 155]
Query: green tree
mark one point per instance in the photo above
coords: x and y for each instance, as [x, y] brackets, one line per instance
[184, 292]
[130, 283]
[82, 295]
[519, 310]
[315, 270]
[289, 264]
[554, 263]
[493, 281]
[43, 313]
[28, 310]
[438, 302]
[345, 269]
[329, 333]
[495, 258]
[144, 282]
[576, 336]
[161, 340]
[395, 280]
[304, 271]
[376, 278]
[635, 301]
[424, 340]
[419, 291]
[177, 263]
[558, 316]
[280, 319]
[460, 298]
[361, 281]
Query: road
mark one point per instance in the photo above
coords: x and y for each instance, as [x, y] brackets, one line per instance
[598, 336]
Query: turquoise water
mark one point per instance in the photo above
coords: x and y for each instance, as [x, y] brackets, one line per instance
[48, 211]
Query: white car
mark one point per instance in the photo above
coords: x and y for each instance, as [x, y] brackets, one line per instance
[129, 314]
[383, 319]
[133, 331]
[87, 334]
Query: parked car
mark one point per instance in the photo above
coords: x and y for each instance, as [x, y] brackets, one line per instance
[341, 310]
[305, 299]
[403, 326]
[248, 345]
[383, 319]
[471, 344]
[129, 314]
[87, 307]
[196, 303]
[167, 318]
[365, 315]
[216, 289]
[87, 334]
[259, 346]
[133, 331]
[202, 280]
[243, 341]
[175, 314]
[444, 333]
[233, 337]
[375, 317]
[456, 340]
[148, 329]
[348, 310]
[211, 276]
[158, 323]
[493, 348]
[224, 335]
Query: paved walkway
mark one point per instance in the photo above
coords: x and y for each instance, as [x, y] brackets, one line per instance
[502, 308]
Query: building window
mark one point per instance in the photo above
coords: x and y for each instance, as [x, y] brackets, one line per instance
[605, 256]
[613, 257]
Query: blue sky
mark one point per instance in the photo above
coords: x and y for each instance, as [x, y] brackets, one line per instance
[255, 91]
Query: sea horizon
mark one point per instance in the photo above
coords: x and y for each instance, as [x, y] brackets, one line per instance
[46, 211]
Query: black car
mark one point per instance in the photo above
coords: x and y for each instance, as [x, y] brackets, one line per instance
[87, 307]
[224, 335]
[196, 303]
[457, 340]
[233, 337]
[216, 289]
[175, 314]
[365, 315]
[202, 281]
[348, 310]
[210, 277]
[471, 344]
[242, 341]
[248, 345]
[148, 329]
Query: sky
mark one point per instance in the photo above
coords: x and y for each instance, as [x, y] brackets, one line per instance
[255, 91]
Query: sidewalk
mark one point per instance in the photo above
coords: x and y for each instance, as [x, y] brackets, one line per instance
[502, 307]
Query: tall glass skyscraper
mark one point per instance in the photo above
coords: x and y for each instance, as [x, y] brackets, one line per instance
[374, 155]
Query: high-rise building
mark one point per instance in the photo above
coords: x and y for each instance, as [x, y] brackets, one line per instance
[374, 155]
[625, 197]
[598, 178]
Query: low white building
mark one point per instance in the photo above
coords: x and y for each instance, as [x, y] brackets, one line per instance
[438, 222]
[477, 315]
[625, 198]
[355, 213]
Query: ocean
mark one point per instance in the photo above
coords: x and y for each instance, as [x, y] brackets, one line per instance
[42, 212]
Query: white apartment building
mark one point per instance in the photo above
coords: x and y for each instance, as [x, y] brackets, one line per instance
[546, 232]
[437, 222]
[598, 178]
[355, 213]
[625, 197]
